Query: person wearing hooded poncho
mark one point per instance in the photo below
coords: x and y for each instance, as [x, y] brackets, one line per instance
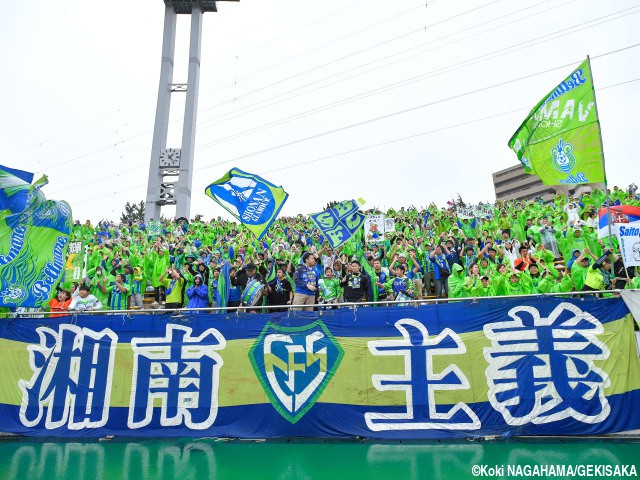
[555, 281]
[518, 284]
[472, 283]
[198, 294]
[159, 263]
[94, 279]
[548, 237]
[456, 282]
[137, 282]
[499, 280]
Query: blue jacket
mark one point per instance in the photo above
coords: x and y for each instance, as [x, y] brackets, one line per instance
[198, 297]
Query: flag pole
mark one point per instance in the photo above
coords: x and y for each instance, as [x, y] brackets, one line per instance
[604, 168]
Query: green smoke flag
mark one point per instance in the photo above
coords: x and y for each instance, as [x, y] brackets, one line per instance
[34, 233]
[560, 139]
[251, 199]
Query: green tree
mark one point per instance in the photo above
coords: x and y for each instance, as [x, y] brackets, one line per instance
[133, 212]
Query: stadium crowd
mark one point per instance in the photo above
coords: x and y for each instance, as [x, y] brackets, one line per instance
[523, 247]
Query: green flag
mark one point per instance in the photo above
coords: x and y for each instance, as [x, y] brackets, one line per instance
[34, 233]
[560, 139]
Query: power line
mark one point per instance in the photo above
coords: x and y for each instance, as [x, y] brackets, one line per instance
[409, 137]
[404, 111]
[358, 52]
[408, 81]
[201, 123]
[366, 64]
[217, 65]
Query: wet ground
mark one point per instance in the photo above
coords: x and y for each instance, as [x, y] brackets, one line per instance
[187, 459]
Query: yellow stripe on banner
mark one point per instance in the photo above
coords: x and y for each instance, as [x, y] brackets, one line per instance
[352, 382]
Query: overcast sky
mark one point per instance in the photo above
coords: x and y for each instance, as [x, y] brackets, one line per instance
[319, 97]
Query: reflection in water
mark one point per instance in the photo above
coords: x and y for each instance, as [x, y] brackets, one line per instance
[203, 459]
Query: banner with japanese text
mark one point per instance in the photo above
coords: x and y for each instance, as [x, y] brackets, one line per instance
[75, 264]
[534, 366]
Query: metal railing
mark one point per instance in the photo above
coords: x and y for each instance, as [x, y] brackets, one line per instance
[319, 306]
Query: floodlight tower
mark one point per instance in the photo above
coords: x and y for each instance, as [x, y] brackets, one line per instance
[171, 169]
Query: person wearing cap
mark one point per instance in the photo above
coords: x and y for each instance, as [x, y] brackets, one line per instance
[518, 284]
[401, 286]
[468, 258]
[452, 246]
[572, 210]
[486, 289]
[306, 282]
[355, 285]
[579, 267]
[246, 275]
[599, 275]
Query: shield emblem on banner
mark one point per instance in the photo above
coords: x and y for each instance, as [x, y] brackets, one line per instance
[294, 365]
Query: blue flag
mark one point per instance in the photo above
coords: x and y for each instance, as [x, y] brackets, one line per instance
[340, 222]
[251, 199]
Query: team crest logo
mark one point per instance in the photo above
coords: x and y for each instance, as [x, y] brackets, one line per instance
[14, 294]
[563, 158]
[294, 365]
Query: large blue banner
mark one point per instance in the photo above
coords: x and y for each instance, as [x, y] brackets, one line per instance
[500, 367]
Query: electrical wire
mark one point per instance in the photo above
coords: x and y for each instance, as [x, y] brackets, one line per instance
[404, 111]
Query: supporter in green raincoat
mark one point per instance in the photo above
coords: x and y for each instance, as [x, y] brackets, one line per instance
[456, 282]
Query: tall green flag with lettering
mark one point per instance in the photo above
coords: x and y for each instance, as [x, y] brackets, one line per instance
[560, 139]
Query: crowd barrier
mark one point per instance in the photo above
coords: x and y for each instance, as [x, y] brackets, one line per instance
[532, 365]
